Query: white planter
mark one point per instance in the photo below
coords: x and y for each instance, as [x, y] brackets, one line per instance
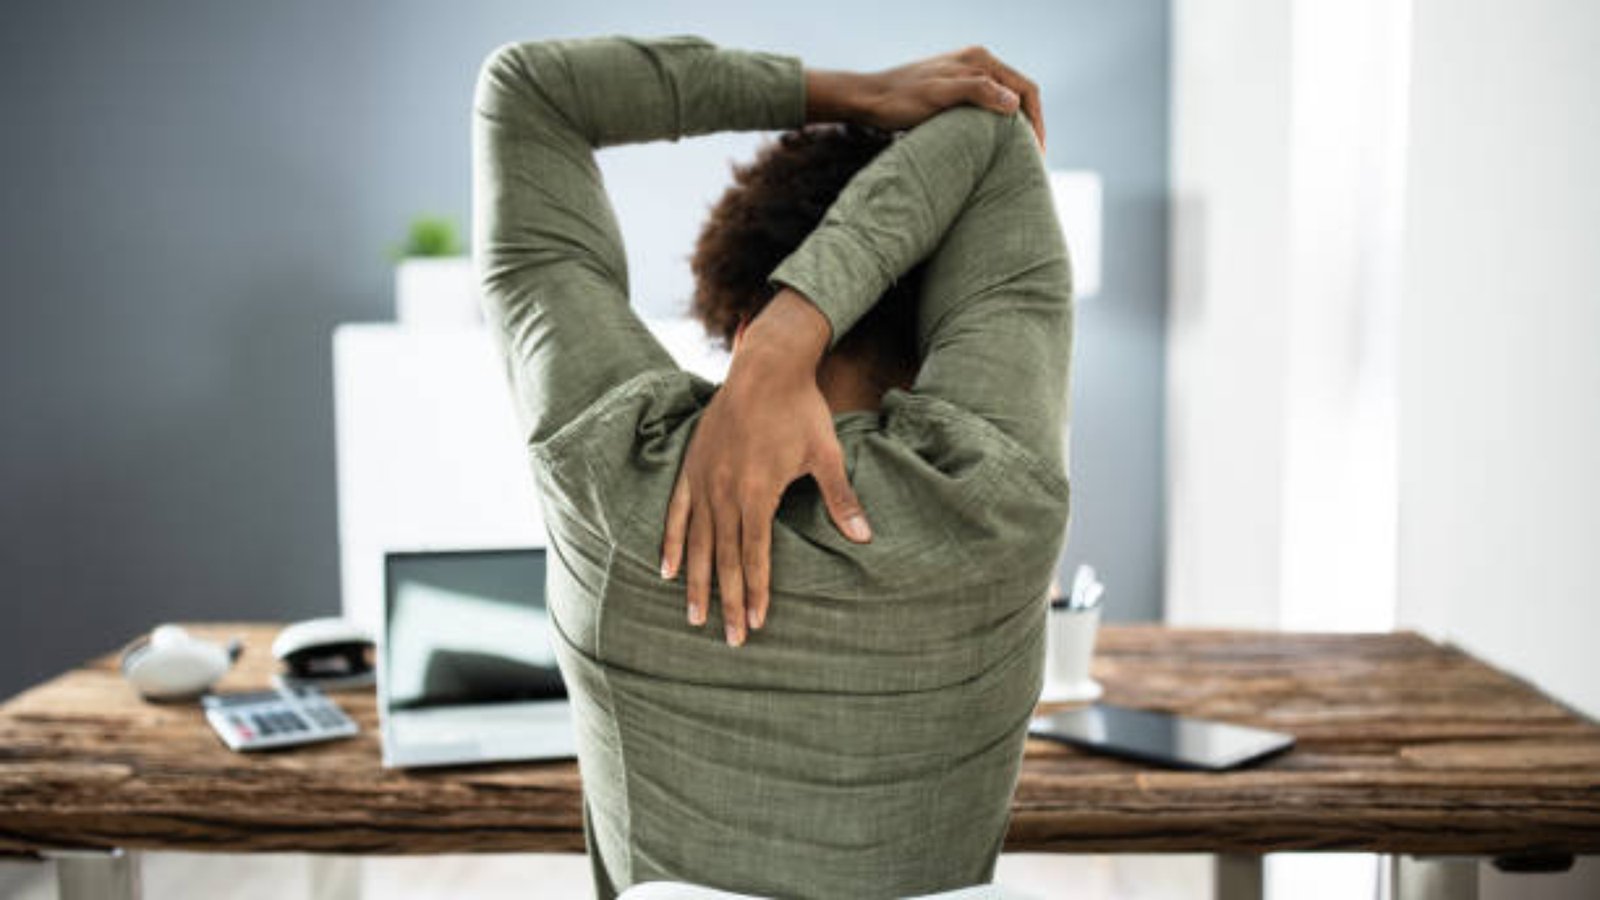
[440, 290]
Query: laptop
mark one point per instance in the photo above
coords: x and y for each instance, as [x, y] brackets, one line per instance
[467, 669]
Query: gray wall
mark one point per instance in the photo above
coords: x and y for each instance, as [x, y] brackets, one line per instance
[195, 193]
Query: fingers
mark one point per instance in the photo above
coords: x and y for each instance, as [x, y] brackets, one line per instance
[730, 574]
[677, 527]
[840, 498]
[981, 90]
[739, 551]
[1024, 87]
[700, 550]
[1032, 106]
[755, 531]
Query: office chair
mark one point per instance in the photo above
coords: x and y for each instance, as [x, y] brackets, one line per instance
[679, 890]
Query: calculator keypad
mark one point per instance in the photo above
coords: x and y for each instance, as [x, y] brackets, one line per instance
[261, 719]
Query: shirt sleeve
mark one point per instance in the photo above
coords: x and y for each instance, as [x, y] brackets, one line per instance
[546, 243]
[967, 192]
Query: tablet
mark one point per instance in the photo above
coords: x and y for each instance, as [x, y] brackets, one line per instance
[1165, 739]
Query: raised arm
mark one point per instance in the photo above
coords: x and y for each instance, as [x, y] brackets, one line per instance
[967, 190]
[548, 250]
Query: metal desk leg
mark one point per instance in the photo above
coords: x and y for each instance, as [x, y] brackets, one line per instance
[97, 874]
[335, 877]
[1433, 877]
[1238, 876]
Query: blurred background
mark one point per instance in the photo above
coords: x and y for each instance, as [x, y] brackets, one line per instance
[1338, 369]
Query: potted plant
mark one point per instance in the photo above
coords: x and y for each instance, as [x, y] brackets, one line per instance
[435, 283]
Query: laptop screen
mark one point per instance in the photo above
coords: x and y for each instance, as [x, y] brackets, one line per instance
[467, 627]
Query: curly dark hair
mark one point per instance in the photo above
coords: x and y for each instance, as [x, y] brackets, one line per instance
[775, 201]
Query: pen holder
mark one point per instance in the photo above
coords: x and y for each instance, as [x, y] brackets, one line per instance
[1069, 646]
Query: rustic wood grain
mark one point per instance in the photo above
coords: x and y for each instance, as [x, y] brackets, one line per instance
[1405, 746]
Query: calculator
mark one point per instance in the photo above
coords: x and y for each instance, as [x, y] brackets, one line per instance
[287, 716]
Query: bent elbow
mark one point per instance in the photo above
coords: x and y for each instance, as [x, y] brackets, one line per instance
[518, 84]
[499, 77]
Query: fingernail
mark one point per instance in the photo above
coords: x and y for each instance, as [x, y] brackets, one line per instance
[697, 616]
[666, 567]
[857, 526]
[733, 635]
[754, 617]
[1007, 96]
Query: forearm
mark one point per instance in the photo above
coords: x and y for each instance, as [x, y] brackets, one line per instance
[891, 215]
[619, 89]
[833, 95]
[968, 192]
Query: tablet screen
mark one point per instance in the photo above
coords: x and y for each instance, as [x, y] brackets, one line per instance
[1159, 737]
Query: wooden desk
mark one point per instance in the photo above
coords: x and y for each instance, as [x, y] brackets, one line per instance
[1405, 747]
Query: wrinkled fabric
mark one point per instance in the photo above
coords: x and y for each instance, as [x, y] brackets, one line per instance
[867, 740]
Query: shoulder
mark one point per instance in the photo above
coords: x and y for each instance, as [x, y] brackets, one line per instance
[936, 426]
[1019, 497]
[619, 452]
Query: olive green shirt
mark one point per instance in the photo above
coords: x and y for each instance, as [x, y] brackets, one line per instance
[865, 742]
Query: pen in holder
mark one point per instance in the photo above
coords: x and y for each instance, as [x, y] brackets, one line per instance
[1072, 624]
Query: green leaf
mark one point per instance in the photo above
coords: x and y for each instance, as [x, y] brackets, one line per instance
[430, 236]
